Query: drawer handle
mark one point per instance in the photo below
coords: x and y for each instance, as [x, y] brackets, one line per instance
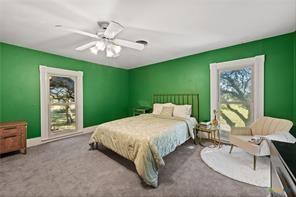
[9, 128]
[9, 136]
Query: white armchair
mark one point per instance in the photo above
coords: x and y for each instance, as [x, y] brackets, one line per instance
[240, 137]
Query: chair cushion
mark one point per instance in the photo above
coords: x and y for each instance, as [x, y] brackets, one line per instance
[242, 141]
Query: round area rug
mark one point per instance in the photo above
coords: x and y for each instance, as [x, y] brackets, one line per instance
[238, 165]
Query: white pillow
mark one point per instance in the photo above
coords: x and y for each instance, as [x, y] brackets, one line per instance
[182, 111]
[157, 107]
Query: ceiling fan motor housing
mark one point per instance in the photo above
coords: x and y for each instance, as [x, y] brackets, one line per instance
[103, 24]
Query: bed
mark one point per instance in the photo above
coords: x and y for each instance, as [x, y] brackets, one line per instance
[147, 138]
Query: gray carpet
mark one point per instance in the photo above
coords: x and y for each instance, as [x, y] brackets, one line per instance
[67, 168]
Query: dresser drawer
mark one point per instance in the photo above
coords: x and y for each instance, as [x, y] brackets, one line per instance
[10, 132]
[12, 143]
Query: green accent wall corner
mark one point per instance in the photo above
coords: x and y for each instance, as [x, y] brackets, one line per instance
[105, 89]
[191, 74]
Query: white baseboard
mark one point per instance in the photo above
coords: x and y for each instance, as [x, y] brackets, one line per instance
[34, 141]
[89, 129]
[38, 140]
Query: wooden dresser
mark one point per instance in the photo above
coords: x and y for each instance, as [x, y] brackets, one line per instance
[13, 137]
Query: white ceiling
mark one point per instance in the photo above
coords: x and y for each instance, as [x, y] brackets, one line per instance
[173, 28]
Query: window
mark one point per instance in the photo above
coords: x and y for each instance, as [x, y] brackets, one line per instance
[237, 92]
[62, 106]
[235, 98]
[61, 102]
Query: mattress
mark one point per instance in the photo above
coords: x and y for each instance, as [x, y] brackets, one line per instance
[145, 140]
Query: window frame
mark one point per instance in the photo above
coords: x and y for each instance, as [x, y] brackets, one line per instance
[45, 73]
[257, 63]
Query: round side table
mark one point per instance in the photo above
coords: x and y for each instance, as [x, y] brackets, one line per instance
[212, 133]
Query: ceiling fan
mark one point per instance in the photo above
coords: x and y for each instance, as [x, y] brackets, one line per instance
[106, 39]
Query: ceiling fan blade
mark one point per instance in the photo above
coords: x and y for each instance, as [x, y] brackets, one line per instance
[113, 29]
[86, 46]
[129, 44]
[78, 31]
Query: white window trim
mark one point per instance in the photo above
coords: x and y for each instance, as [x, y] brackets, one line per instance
[44, 90]
[258, 64]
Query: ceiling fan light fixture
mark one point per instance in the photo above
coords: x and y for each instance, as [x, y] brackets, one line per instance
[112, 50]
[116, 48]
[100, 45]
[109, 52]
[94, 50]
[115, 55]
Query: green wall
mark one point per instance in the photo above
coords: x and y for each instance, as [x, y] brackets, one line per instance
[109, 93]
[105, 89]
[192, 75]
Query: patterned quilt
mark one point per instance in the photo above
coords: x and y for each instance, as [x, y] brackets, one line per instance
[145, 140]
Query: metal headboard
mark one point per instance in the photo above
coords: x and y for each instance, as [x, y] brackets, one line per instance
[180, 99]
